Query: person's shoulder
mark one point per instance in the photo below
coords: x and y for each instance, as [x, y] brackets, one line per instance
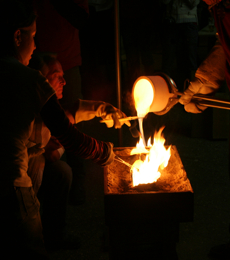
[24, 76]
[12, 65]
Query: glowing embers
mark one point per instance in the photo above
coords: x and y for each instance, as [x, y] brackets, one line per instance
[157, 157]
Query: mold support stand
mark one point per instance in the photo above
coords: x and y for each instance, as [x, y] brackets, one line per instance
[118, 62]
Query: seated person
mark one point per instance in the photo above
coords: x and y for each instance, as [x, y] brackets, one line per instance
[51, 177]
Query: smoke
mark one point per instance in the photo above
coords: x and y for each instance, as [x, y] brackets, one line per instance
[129, 103]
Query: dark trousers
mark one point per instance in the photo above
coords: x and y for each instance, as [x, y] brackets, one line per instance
[53, 194]
[20, 226]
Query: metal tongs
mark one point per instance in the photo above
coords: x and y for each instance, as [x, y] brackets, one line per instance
[203, 100]
[200, 99]
[206, 101]
[116, 158]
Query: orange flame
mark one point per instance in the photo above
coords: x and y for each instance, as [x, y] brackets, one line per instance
[157, 158]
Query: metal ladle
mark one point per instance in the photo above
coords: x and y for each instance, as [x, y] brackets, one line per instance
[166, 95]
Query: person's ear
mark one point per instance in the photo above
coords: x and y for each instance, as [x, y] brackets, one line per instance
[17, 37]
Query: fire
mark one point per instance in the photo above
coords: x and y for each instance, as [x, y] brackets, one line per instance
[140, 148]
[157, 158]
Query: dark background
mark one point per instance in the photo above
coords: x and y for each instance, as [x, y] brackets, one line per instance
[201, 140]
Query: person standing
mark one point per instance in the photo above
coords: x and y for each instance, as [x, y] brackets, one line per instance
[140, 23]
[52, 177]
[180, 39]
[211, 74]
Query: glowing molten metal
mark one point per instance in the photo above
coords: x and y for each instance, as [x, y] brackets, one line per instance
[157, 158]
[143, 96]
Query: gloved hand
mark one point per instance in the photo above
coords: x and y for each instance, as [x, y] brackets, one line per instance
[35, 150]
[195, 87]
[208, 78]
[107, 157]
[89, 109]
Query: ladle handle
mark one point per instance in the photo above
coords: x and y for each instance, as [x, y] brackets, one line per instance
[215, 105]
[209, 102]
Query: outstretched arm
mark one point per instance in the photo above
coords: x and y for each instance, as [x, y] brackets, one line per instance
[208, 78]
[71, 138]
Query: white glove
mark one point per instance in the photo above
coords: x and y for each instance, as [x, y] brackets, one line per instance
[89, 109]
[195, 87]
[208, 78]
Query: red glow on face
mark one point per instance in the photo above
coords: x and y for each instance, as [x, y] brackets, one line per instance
[55, 77]
[27, 44]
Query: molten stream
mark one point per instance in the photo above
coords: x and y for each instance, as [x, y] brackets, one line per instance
[157, 158]
[143, 96]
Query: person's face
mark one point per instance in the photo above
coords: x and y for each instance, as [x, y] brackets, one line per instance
[24, 40]
[55, 77]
